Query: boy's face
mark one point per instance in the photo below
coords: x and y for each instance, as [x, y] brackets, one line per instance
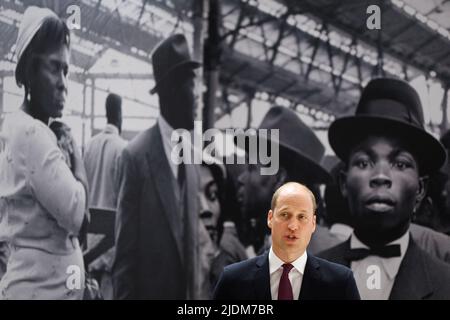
[382, 185]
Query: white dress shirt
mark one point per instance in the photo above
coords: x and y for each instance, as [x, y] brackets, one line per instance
[375, 275]
[295, 275]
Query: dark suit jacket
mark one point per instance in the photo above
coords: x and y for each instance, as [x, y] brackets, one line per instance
[250, 280]
[149, 261]
[420, 276]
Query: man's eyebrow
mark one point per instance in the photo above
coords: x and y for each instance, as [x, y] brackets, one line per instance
[210, 184]
[59, 62]
[401, 151]
[365, 150]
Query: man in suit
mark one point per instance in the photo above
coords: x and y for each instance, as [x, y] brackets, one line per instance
[157, 218]
[104, 169]
[388, 156]
[339, 218]
[287, 271]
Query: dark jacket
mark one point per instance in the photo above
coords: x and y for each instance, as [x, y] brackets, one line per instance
[250, 280]
[420, 276]
[150, 260]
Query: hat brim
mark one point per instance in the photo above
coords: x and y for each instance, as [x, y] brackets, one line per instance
[346, 133]
[301, 167]
[188, 63]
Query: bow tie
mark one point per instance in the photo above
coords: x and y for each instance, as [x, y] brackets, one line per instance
[390, 251]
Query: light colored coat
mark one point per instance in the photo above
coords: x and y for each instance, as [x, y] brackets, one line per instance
[41, 210]
[103, 167]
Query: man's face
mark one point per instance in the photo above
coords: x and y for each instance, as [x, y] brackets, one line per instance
[209, 201]
[49, 82]
[382, 185]
[180, 86]
[254, 193]
[292, 222]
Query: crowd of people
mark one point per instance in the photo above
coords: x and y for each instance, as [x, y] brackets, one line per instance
[373, 223]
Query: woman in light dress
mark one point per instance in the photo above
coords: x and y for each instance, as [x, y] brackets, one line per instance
[42, 202]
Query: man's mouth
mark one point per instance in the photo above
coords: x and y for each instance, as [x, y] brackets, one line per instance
[380, 203]
[291, 237]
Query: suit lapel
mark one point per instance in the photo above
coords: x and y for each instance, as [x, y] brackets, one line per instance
[412, 281]
[160, 170]
[311, 279]
[261, 280]
[191, 220]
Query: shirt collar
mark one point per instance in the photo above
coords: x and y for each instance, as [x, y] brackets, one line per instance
[110, 128]
[166, 129]
[275, 263]
[340, 228]
[391, 265]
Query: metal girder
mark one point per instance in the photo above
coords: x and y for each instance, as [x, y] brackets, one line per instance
[316, 47]
[345, 26]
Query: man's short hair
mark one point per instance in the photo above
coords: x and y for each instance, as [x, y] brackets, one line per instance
[277, 193]
[113, 106]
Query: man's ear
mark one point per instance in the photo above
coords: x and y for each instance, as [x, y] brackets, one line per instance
[269, 219]
[421, 191]
[342, 181]
[314, 222]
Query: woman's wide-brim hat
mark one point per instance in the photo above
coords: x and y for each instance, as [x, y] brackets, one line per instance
[389, 107]
[170, 55]
[301, 152]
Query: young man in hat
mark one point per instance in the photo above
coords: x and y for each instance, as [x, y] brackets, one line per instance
[388, 155]
[287, 271]
[300, 157]
[156, 226]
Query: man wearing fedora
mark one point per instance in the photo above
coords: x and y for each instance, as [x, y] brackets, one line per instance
[157, 218]
[300, 157]
[388, 156]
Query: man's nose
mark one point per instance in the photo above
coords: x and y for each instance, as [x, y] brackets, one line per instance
[203, 203]
[293, 224]
[206, 214]
[381, 176]
[62, 81]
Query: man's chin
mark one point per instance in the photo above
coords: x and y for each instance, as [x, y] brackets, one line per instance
[58, 113]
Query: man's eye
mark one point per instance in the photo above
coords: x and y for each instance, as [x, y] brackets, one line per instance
[212, 195]
[55, 68]
[401, 164]
[362, 164]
